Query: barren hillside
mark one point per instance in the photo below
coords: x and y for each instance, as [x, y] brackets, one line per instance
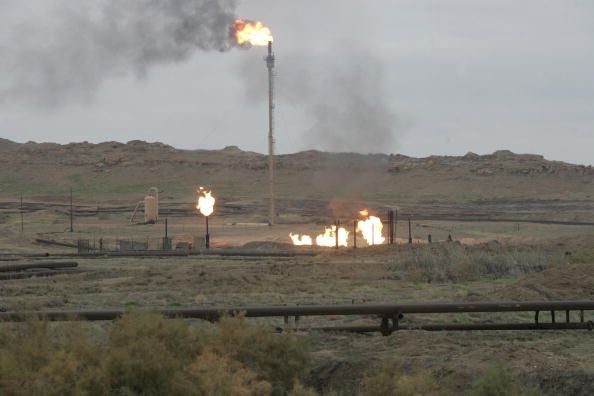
[117, 173]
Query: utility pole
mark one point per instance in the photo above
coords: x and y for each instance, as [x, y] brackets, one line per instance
[409, 230]
[22, 223]
[396, 224]
[336, 225]
[207, 237]
[71, 214]
[391, 224]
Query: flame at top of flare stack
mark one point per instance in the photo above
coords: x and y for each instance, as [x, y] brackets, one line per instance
[206, 202]
[248, 34]
[251, 33]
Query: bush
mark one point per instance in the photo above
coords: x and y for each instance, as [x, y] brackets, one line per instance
[280, 360]
[497, 381]
[211, 374]
[33, 360]
[387, 380]
[456, 263]
[146, 351]
[145, 354]
[300, 390]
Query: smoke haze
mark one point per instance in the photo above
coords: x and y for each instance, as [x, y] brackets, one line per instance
[470, 76]
[347, 105]
[64, 52]
[342, 96]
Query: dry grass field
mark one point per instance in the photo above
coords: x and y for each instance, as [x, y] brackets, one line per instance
[488, 261]
[553, 362]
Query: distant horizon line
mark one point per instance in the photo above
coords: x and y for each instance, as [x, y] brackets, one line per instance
[233, 146]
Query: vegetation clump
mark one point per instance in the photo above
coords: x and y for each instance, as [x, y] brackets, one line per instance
[456, 263]
[497, 381]
[145, 354]
[386, 379]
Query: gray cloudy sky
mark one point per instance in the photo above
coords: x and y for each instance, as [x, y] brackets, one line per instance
[417, 77]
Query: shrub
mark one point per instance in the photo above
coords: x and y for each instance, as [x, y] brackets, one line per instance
[497, 381]
[387, 380]
[456, 263]
[281, 360]
[211, 374]
[145, 354]
[300, 390]
[34, 360]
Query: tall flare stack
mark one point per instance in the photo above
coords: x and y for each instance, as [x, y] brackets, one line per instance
[270, 66]
[248, 34]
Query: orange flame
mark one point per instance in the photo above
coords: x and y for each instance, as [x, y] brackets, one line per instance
[205, 202]
[328, 238]
[371, 228]
[304, 240]
[251, 33]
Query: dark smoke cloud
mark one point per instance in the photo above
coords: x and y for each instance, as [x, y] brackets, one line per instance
[348, 106]
[342, 95]
[66, 52]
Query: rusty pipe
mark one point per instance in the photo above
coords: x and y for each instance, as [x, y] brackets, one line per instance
[40, 265]
[384, 310]
[459, 327]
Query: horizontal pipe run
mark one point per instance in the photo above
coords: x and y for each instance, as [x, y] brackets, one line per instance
[475, 219]
[55, 243]
[165, 253]
[458, 327]
[36, 274]
[40, 265]
[202, 252]
[384, 310]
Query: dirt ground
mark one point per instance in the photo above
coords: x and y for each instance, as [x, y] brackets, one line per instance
[557, 362]
[515, 196]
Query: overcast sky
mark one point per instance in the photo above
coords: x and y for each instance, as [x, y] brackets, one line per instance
[416, 77]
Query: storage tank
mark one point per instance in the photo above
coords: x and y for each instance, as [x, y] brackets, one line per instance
[154, 192]
[151, 210]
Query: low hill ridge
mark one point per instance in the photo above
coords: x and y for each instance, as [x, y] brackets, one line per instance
[114, 170]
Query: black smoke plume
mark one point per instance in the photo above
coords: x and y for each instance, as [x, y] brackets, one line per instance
[342, 96]
[65, 52]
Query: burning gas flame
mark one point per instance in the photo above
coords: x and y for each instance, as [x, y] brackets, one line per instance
[304, 240]
[205, 202]
[371, 228]
[251, 33]
[328, 238]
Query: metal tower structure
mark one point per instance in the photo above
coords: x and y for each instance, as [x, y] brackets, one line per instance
[271, 202]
